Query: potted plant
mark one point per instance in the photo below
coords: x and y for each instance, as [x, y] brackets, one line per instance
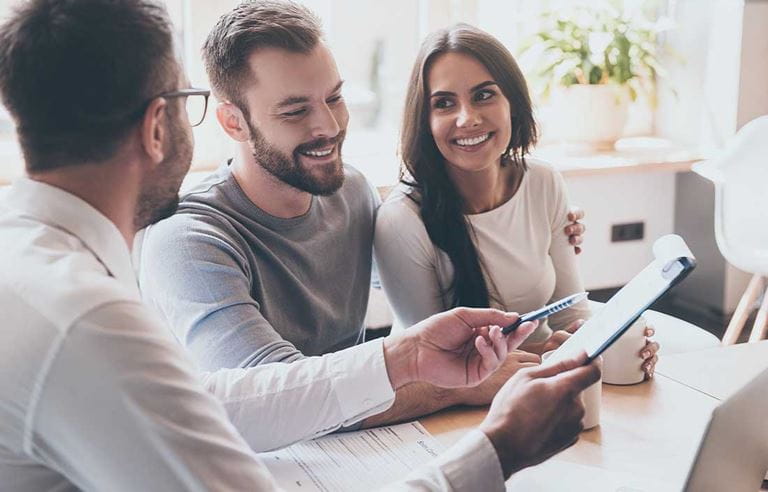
[592, 62]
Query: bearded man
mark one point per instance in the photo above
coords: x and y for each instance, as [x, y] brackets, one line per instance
[269, 259]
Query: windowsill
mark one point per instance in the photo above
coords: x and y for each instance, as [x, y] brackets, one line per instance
[631, 155]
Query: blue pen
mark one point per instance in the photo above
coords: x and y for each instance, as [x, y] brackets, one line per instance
[546, 311]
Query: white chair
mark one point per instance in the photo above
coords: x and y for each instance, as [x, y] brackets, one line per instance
[740, 175]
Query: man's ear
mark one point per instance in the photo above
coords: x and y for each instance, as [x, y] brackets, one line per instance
[153, 129]
[232, 120]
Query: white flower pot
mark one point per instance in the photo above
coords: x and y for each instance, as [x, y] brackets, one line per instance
[590, 114]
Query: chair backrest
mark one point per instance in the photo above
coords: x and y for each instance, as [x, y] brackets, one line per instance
[740, 175]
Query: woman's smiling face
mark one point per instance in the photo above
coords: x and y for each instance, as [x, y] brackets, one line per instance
[469, 116]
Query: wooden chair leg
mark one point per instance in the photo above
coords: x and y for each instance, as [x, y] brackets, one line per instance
[743, 310]
[760, 328]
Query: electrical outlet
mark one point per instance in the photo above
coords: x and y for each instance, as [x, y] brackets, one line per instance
[632, 231]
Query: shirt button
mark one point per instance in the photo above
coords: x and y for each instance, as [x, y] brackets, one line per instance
[367, 402]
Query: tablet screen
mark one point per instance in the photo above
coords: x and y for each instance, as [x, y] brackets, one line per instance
[618, 314]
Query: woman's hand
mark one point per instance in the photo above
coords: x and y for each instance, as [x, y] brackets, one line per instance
[554, 341]
[483, 393]
[649, 353]
[575, 230]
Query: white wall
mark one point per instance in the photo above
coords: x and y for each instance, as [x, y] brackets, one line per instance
[753, 83]
[697, 102]
[615, 199]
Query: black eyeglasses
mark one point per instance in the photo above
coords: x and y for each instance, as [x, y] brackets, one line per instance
[196, 103]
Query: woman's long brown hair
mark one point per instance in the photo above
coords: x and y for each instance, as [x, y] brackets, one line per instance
[440, 204]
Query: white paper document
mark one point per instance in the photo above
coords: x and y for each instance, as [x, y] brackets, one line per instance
[353, 461]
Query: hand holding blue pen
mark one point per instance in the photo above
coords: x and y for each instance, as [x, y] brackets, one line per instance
[546, 311]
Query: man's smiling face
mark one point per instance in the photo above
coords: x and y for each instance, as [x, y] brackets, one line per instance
[297, 117]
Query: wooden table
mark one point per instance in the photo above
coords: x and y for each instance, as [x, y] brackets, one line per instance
[718, 372]
[649, 433]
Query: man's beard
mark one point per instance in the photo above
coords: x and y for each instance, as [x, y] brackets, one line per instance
[159, 196]
[290, 171]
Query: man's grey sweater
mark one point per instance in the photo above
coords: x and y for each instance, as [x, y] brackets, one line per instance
[241, 287]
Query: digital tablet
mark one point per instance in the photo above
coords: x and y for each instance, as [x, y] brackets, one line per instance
[673, 261]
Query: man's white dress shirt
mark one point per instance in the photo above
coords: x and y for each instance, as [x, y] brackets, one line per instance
[95, 393]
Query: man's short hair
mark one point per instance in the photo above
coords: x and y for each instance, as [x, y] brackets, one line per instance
[77, 75]
[249, 27]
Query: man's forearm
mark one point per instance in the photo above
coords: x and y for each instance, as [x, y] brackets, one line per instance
[419, 399]
[412, 398]
[413, 401]
[317, 395]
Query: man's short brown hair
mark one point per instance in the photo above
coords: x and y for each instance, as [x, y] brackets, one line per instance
[249, 27]
[76, 75]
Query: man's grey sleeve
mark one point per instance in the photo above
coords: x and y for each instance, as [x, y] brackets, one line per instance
[198, 278]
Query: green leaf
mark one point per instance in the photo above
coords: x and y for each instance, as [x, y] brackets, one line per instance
[629, 59]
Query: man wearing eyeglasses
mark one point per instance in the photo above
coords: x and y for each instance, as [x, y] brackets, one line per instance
[95, 394]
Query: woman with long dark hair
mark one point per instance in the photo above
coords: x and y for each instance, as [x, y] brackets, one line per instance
[476, 222]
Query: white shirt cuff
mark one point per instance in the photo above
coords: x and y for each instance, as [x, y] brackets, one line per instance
[472, 464]
[361, 382]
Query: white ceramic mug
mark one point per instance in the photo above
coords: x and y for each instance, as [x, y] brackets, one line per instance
[590, 398]
[622, 363]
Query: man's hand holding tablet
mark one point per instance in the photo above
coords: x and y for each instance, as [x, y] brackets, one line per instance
[538, 412]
